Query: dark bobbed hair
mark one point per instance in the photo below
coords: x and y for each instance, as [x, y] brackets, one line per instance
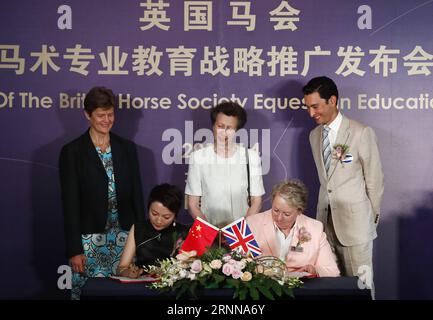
[99, 97]
[169, 195]
[324, 86]
[231, 109]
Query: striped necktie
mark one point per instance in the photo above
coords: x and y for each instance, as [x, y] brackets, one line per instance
[326, 148]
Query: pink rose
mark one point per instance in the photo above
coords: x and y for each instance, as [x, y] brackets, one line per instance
[241, 264]
[340, 152]
[227, 269]
[236, 274]
[304, 235]
[232, 262]
[196, 266]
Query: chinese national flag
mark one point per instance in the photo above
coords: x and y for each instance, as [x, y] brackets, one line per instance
[200, 235]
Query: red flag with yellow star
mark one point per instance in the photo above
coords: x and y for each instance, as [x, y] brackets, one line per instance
[201, 235]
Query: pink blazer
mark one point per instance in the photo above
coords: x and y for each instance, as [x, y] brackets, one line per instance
[316, 252]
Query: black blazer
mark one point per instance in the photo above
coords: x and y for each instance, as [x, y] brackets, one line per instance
[84, 188]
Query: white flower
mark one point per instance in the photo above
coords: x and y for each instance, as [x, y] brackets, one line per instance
[99, 240]
[183, 273]
[226, 258]
[216, 264]
[121, 238]
[191, 276]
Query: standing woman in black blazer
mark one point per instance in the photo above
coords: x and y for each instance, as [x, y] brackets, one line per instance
[101, 192]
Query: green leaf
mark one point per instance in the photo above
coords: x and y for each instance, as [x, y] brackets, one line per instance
[243, 293]
[218, 278]
[203, 282]
[277, 288]
[182, 290]
[192, 289]
[213, 254]
[254, 293]
[236, 293]
[288, 291]
[179, 284]
[233, 283]
[265, 291]
[211, 285]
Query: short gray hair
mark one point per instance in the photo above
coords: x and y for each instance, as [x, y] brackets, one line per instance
[293, 191]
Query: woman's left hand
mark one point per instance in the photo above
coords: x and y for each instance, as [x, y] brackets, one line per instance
[309, 268]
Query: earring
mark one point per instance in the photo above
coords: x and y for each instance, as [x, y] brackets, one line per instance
[174, 223]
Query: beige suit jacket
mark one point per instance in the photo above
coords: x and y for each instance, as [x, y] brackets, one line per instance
[353, 190]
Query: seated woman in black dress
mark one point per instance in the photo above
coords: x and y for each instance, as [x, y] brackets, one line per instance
[156, 237]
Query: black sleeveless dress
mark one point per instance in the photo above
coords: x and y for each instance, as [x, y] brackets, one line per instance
[152, 244]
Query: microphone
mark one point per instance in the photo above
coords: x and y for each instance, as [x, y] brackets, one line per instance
[158, 237]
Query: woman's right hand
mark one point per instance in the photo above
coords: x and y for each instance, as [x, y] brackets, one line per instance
[308, 268]
[130, 272]
[78, 262]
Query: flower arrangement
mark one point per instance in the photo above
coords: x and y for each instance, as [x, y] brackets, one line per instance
[340, 152]
[219, 268]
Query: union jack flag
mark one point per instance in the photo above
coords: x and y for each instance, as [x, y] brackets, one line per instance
[239, 235]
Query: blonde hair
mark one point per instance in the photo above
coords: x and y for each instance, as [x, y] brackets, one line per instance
[293, 191]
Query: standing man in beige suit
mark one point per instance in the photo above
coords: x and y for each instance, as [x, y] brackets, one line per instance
[351, 179]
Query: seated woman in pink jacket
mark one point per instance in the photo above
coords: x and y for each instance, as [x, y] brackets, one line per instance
[286, 233]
